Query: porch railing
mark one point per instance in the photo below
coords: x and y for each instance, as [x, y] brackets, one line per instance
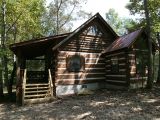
[50, 82]
[23, 85]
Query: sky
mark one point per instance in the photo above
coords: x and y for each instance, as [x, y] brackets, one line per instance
[102, 6]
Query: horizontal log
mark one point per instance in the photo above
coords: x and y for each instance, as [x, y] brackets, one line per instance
[114, 54]
[122, 70]
[85, 54]
[115, 81]
[85, 44]
[119, 67]
[86, 61]
[122, 61]
[123, 76]
[98, 78]
[65, 71]
[90, 58]
[115, 73]
[122, 64]
[82, 76]
[132, 72]
[78, 82]
[96, 73]
[86, 65]
[140, 50]
[85, 68]
[121, 58]
[84, 50]
[131, 55]
[132, 66]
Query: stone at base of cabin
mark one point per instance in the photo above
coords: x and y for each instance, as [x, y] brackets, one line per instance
[85, 91]
[75, 89]
[138, 85]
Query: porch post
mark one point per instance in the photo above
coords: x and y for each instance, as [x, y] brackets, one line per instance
[19, 74]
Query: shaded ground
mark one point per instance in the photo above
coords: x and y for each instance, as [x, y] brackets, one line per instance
[102, 105]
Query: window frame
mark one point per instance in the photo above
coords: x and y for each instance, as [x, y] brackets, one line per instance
[73, 57]
[114, 64]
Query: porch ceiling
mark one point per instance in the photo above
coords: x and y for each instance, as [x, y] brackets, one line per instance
[36, 47]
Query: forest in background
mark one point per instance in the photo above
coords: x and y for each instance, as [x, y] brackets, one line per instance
[24, 20]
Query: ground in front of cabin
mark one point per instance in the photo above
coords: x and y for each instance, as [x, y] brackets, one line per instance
[102, 105]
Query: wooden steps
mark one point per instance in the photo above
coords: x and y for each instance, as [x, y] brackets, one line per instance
[38, 92]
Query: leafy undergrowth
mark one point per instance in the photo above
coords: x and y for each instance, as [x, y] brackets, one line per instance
[102, 105]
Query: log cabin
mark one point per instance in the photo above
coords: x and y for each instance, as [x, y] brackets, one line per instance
[91, 57]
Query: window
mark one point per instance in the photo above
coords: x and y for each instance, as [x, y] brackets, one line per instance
[114, 64]
[141, 63]
[75, 63]
[35, 65]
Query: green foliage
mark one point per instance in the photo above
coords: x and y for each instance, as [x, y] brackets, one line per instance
[60, 14]
[29, 14]
[27, 19]
[136, 7]
[120, 25]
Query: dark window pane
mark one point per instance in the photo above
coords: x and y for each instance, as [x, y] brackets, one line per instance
[75, 63]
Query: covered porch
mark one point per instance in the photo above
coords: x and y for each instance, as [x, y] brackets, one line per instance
[35, 69]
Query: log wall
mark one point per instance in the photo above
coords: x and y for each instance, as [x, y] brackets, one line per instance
[120, 77]
[137, 80]
[87, 43]
[94, 69]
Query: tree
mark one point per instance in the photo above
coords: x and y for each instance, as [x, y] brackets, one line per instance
[120, 25]
[150, 69]
[3, 47]
[158, 78]
[60, 15]
[136, 7]
[20, 20]
[148, 10]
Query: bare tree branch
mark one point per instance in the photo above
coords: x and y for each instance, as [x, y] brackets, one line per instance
[14, 22]
[68, 16]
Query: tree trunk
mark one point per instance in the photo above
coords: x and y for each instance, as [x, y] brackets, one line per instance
[158, 78]
[1, 83]
[6, 70]
[11, 79]
[3, 38]
[150, 61]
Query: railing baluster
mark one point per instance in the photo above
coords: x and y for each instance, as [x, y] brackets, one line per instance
[50, 82]
[23, 85]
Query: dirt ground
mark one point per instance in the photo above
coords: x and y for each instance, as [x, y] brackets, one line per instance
[102, 105]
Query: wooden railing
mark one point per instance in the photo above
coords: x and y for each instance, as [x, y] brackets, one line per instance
[36, 76]
[50, 82]
[23, 85]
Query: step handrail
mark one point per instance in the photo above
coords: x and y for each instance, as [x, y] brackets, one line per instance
[50, 82]
[23, 85]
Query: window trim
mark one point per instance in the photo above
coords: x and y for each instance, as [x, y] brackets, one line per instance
[82, 63]
[113, 65]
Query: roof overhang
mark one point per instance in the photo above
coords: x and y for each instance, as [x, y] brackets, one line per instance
[36, 47]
